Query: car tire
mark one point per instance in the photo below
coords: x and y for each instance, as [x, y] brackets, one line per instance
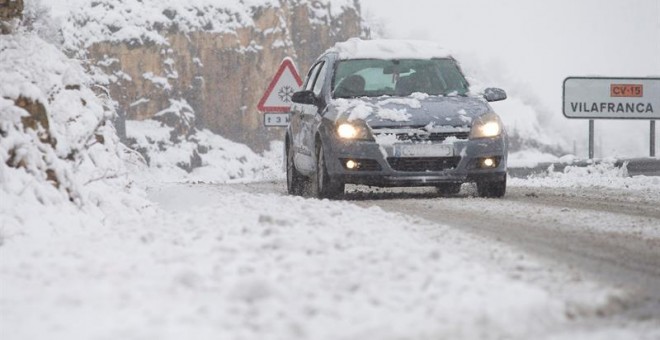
[322, 185]
[491, 189]
[295, 182]
[448, 189]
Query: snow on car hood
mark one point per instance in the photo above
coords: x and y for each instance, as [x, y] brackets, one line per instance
[415, 110]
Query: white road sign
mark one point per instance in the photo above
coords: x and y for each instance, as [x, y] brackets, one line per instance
[612, 98]
[278, 95]
[276, 119]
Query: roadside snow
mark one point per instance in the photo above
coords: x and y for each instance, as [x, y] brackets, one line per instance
[67, 151]
[220, 160]
[530, 158]
[214, 262]
[599, 176]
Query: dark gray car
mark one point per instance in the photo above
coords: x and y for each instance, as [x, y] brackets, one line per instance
[383, 118]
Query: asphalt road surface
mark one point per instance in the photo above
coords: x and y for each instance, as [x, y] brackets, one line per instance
[597, 234]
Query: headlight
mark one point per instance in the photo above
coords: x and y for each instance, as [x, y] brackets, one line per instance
[347, 131]
[353, 130]
[486, 126]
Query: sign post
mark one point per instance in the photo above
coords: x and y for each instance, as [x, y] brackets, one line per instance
[276, 101]
[653, 138]
[592, 135]
[612, 98]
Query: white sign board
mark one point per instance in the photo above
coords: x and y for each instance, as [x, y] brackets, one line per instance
[286, 82]
[276, 119]
[612, 98]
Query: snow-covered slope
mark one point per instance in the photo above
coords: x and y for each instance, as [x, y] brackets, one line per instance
[58, 144]
[201, 156]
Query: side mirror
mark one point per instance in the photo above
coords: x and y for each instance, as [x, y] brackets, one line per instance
[304, 97]
[493, 94]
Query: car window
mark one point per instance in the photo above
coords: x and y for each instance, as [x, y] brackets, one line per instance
[309, 82]
[377, 77]
[320, 80]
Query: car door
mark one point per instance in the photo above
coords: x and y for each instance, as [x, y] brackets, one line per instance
[311, 115]
[296, 122]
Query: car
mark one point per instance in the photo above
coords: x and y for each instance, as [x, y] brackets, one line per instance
[392, 113]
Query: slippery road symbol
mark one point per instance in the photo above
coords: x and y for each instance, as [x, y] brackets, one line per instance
[286, 93]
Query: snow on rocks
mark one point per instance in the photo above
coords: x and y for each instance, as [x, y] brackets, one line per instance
[139, 22]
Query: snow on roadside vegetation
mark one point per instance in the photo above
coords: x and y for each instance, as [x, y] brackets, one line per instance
[58, 149]
[218, 263]
[174, 150]
[200, 157]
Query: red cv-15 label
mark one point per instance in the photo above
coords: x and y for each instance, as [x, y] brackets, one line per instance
[627, 90]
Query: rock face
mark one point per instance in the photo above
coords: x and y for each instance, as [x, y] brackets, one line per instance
[9, 10]
[221, 75]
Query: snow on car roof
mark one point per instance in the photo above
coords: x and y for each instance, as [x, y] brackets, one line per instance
[389, 49]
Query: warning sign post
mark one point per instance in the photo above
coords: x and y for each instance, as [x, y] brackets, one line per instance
[276, 101]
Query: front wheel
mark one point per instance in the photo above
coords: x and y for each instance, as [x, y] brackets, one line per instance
[492, 189]
[323, 186]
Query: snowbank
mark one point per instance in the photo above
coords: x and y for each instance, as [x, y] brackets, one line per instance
[58, 144]
[603, 175]
[219, 263]
[199, 157]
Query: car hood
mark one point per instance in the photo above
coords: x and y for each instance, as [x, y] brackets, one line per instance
[413, 111]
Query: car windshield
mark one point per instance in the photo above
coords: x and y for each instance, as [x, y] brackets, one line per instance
[377, 77]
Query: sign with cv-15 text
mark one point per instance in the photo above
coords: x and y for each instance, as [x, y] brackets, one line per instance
[612, 98]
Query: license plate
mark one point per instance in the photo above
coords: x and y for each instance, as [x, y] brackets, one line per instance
[424, 150]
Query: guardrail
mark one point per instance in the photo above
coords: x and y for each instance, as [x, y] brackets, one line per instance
[635, 166]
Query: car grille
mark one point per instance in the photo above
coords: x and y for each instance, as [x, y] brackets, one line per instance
[421, 135]
[431, 137]
[423, 164]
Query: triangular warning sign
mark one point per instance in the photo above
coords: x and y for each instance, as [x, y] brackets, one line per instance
[278, 95]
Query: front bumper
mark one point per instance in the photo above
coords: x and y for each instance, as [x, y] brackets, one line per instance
[385, 167]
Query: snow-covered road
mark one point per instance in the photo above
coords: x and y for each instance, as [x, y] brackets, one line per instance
[245, 261]
[606, 234]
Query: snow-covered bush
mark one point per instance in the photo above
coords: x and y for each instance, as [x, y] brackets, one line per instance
[57, 141]
[180, 116]
[200, 155]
